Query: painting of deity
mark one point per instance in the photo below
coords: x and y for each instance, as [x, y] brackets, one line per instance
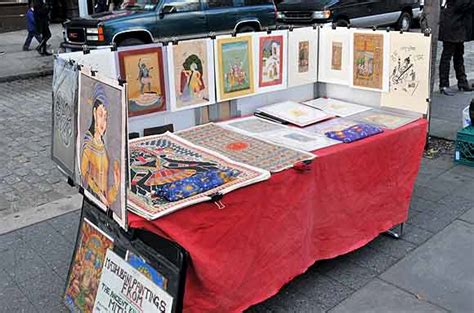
[64, 115]
[234, 67]
[191, 70]
[303, 56]
[86, 268]
[271, 61]
[336, 56]
[101, 143]
[146, 269]
[368, 61]
[143, 70]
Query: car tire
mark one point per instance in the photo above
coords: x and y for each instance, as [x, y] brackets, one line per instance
[246, 29]
[342, 22]
[130, 42]
[404, 22]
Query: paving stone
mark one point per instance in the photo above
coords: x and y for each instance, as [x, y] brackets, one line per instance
[67, 225]
[349, 274]
[378, 296]
[419, 204]
[437, 272]
[398, 248]
[416, 235]
[435, 220]
[12, 299]
[456, 203]
[468, 216]
[373, 259]
[11, 179]
[428, 193]
[44, 291]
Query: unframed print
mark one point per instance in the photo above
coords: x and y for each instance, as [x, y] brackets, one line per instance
[86, 268]
[410, 55]
[370, 50]
[101, 143]
[385, 119]
[298, 139]
[334, 55]
[251, 126]
[295, 113]
[143, 69]
[336, 107]
[191, 71]
[335, 124]
[302, 56]
[100, 60]
[64, 115]
[271, 63]
[234, 67]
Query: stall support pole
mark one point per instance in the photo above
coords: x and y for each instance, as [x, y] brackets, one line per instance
[394, 234]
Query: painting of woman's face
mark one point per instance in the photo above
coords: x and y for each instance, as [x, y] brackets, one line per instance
[100, 115]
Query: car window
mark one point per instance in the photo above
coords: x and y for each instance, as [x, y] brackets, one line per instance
[212, 4]
[174, 6]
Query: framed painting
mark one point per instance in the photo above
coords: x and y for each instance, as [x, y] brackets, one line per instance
[302, 56]
[191, 73]
[86, 267]
[410, 55]
[64, 116]
[271, 63]
[143, 69]
[234, 67]
[334, 55]
[369, 60]
[101, 143]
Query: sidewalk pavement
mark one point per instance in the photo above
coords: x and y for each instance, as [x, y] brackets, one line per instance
[18, 64]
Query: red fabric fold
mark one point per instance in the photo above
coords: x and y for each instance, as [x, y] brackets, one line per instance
[272, 231]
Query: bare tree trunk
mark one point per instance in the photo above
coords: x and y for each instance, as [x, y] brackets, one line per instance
[430, 21]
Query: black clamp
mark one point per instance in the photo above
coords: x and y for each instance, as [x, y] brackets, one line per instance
[349, 26]
[70, 182]
[93, 72]
[85, 49]
[388, 29]
[315, 26]
[268, 30]
[334, 26]
[212, 35]
[121, 82]
[290, 28]
[234, 33]
[114, 47]
[216, 198]
[374, 28]
[71, 62]
[174, 40]
[401, 31]
[79, 67]
[427, 32]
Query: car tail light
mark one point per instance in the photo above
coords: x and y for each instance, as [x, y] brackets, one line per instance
[101, 33]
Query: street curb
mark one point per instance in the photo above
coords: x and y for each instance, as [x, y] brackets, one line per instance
[11, 78]
[41, 213]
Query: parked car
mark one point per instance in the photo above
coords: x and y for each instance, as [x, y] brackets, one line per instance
[146, 21]
[359, 13]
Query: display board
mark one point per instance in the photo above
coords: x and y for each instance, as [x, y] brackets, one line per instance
[100, 60]
[64, 115]
[101, 143]
[302, 56]
[191, 73]
[409, 66]
[334, 55]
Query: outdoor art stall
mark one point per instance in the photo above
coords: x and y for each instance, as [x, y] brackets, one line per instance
[215, 170]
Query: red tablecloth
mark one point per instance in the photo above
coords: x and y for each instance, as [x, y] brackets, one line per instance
[272, 231]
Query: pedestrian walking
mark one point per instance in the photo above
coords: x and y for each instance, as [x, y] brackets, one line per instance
[32, 29]
[455, 27]
[41, 11]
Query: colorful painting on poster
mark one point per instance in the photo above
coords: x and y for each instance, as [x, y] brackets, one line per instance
[146, 269]
[143, 70]
[410, 55]
[86, 268]
[234, 68]
[369, 64]
[302, 56]
[191, 70]
[169, 173]
[101, 143]
[334, 55]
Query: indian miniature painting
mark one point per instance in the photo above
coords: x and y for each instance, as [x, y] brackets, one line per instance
[143, 70]
[303, 56]
[86, 268]
[169, 173]
[234, 67]
[271, 61]
[245, 149]
[368, 59]
[336, 56]
[191, 68]
[101, 143]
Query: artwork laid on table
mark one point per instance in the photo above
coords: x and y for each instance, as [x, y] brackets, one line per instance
[64, 116]
[100, 60]
[191, 73]
[146, 269]
[410, 55]
[334, 55]
[385, 119]
[369, 60]
[245, 149]
[335, 124]
[234, 67]
[295, 113]
[298, 139]
[125, 289]
[143, 69]
[271, 64]
[86, 267]
[354, 133]
[336, 107]
[302, 56]
[169, 173]
[252, 126]
[101, 143]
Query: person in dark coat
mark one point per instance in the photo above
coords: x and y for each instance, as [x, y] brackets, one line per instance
[32, 29]
[455, 27]
[42, 23]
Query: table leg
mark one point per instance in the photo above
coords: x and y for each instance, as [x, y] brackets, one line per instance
[394, 234]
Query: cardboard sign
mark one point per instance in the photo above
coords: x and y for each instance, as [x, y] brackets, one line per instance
[122, 288]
